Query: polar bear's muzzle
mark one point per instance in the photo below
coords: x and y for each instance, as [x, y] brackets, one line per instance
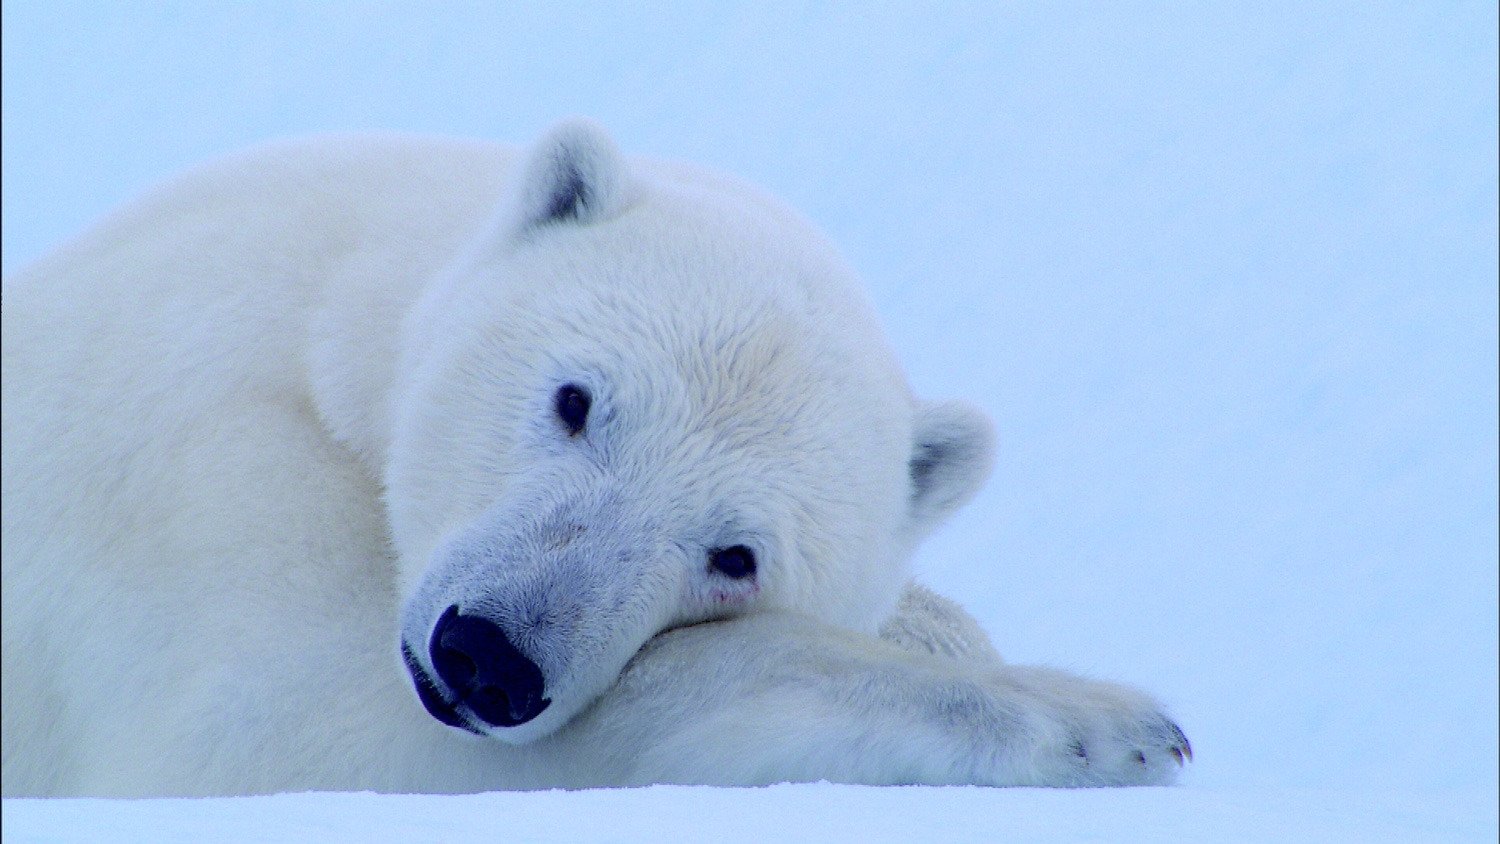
[482, 671]
[526, 615]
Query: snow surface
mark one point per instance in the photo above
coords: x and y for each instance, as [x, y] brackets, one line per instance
[818, 812]
[1223, 274]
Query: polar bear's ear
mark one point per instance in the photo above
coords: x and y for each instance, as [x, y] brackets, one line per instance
[950, 459]
[573, 174]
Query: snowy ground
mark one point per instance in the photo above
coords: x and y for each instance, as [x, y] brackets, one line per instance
[820, 813]
[1224, 275]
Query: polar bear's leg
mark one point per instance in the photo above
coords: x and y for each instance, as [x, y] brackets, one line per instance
[769, 698]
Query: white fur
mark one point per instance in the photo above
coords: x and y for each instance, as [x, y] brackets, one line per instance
[270, 421]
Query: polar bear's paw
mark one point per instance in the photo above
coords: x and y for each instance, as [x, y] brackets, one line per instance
[1088, 733]
[1126, 749]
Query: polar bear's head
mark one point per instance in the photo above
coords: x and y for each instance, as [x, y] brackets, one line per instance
[647, 397]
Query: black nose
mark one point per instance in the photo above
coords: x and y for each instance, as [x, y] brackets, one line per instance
[477, 661]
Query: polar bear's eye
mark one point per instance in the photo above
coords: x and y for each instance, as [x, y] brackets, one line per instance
[572, 405]
[736, 561]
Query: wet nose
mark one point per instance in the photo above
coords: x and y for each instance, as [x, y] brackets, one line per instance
[475, 658]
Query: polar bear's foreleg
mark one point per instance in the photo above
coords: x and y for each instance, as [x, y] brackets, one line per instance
[771, 698]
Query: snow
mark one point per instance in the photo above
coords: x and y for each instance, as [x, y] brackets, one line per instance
[1223, 274]
[812, 812]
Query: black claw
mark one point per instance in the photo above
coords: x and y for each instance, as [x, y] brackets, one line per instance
[1140, 757]
[1182, 741]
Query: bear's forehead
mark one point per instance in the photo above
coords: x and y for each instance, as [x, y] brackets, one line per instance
[758, 358]
[707, 311]
[686, 239]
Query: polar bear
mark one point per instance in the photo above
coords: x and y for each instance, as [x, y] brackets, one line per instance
[422, 465]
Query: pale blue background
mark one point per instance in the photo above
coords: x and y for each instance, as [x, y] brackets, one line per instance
[1224, 275]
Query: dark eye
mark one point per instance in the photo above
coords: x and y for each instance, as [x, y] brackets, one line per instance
[572, 405]
[736, 561]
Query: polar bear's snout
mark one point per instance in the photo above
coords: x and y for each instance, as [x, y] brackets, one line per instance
[528, 613]
[477, 661]
[481, 670]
